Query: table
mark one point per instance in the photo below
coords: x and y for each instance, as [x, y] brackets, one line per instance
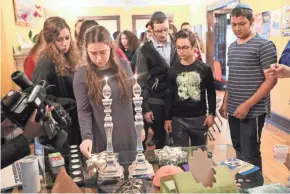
[217, 153]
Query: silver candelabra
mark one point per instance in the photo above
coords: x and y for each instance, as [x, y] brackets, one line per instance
[111, 170]
[140, 167]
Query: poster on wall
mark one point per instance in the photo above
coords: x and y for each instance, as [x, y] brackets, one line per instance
[286, 21]
[275, 23]
[266, 17]
[258, 23]
[28, 12]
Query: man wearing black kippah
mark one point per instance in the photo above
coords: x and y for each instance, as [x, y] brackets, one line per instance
[156, 56]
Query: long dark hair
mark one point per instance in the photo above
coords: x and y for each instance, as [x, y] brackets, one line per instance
[98, 34]
[84, 27]
[133, 41]
[79, 21]
[64, 64]
[143, 37]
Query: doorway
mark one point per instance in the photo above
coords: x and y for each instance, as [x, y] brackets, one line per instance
[219, 35]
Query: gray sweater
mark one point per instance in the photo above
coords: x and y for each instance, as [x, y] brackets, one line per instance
[91, 116]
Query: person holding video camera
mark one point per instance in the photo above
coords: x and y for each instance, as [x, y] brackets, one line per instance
[56, 67]
[18, 147]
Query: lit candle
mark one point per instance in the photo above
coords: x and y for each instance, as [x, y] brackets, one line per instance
[136, 76]
[136, 88]
[106, 89]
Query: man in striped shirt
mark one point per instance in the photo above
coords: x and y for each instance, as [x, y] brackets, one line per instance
[247, 100]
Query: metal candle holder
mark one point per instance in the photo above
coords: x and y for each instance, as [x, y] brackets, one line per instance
[111, 170]
[140, 167]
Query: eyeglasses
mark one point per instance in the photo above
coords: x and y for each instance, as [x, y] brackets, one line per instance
[184, 48]
[159, 32]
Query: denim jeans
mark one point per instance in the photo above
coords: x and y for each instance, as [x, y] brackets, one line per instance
[246, 135]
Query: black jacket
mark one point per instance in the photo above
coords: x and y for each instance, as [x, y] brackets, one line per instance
[14, 150]
[60, 91]
[192, 91]
[152, 72]
[60, 86]
[134, 60]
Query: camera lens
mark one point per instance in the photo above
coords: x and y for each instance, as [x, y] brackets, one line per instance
[21, 80]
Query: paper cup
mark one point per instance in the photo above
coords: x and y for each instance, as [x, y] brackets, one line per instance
[281, 152]
[30, 174]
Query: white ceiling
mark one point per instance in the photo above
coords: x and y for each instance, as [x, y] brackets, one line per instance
[112, 3]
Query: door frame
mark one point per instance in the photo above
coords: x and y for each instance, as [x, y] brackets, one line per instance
[216, 8]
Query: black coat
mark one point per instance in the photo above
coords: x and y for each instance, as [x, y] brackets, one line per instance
[14, 150]
[60, 91]
[152, 72]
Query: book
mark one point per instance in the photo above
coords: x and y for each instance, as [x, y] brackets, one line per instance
[273, 188]
[240, 166]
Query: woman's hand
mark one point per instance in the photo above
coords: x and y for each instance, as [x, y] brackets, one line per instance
[278, 70]
[86, 147]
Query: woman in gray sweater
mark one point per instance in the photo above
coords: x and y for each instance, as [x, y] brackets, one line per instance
[88, 84]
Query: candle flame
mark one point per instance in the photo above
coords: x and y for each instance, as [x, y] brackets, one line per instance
[135, 76]
[106, 78]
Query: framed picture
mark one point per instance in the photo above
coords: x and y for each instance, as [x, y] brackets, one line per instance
[27, 12]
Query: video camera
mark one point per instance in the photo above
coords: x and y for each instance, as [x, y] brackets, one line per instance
[19, 105]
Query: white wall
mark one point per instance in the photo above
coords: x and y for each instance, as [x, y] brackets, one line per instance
[113, 3]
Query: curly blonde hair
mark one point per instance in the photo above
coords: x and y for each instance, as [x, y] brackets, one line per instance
[98, 34]
[67, 63]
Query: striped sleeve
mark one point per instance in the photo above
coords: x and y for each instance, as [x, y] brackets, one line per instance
[268, 54]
